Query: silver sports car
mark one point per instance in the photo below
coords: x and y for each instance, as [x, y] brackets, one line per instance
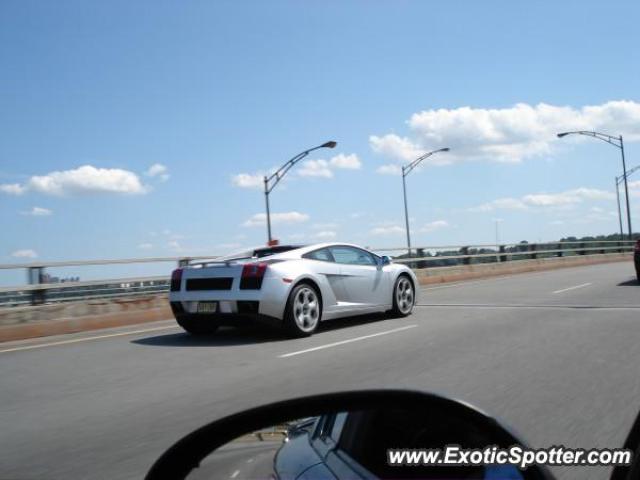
[295, 287]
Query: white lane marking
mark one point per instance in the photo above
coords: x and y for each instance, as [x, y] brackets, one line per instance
[343, 342]
[235, 474]
[86, 339]
[522, 305]
[250, 460]
[572, 288]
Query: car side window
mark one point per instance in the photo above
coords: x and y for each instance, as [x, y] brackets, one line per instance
[338, 424]
[322, 426]
[352, 256]
[322, 254]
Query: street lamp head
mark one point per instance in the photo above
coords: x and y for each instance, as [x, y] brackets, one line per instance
[329, 144]
[564, 134]
[446, 149]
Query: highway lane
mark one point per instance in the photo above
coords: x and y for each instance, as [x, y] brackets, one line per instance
[561, 368]
[239, 460]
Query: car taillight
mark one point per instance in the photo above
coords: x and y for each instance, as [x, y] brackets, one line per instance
[176, 280]
[252, 275]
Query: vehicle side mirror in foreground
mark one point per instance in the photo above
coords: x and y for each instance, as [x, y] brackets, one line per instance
[385, 260]
[343, 435]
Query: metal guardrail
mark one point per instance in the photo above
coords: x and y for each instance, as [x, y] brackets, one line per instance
[37, 292]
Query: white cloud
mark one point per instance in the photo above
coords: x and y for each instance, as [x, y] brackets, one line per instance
[500, 203]
[25, 253]
[395, 147]
[297, 237]
[387, 230]
[227, 246]
[260, 219]
[319, 168]
[390, 169]
[324, 226]
[248, 180]
[325, 235]
[158, 170]
[504, 134]
[577, 195]
[545, 200]
[145, 246]
[315, 168]
[324, 168]
[12, 188]
[348, 162]
[174, 245]
[86, 179]
[38, 212]
[435, 225]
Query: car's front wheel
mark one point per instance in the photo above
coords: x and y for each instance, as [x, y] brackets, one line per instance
[303, 311]
[195, 325]
[404, 297]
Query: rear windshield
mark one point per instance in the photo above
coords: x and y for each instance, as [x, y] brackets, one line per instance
[265, 252]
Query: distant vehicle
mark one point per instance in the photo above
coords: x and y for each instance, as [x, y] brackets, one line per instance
[291, 286]
[636, 258]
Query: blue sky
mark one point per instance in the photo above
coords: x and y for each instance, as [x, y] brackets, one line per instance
[206, 91]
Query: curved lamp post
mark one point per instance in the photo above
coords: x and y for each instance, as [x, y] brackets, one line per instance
[272, 180]
[406, 169]
[616, 142]
[618, 182]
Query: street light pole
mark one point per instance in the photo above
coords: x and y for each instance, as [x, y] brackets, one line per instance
[626, 188]
[618, 182]
[619, 209]
[406, 210]
[616, 142]
[406, 170]
[266, 201]
[272, 180]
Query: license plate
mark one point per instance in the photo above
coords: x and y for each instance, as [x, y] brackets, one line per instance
[207, 307]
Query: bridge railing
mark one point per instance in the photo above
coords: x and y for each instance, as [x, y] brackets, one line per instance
[37, 291]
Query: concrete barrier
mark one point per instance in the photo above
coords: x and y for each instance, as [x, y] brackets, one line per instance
[19, 323]
[428, 276]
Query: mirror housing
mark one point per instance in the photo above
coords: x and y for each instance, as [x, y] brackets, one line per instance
[187, 453]
[385, 260]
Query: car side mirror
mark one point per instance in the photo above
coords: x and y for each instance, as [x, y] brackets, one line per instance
[282, 438]
[385, 260]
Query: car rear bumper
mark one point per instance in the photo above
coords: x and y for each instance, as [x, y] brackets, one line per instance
[242, 313]
[270, 299]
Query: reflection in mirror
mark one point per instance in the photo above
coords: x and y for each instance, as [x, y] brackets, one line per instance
[351, 445]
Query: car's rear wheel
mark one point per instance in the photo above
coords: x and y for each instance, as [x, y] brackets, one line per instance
[197, 326]
[303, 311]
[404, 297]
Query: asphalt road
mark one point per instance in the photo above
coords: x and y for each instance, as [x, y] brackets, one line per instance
[554, 354]
[239, 461]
